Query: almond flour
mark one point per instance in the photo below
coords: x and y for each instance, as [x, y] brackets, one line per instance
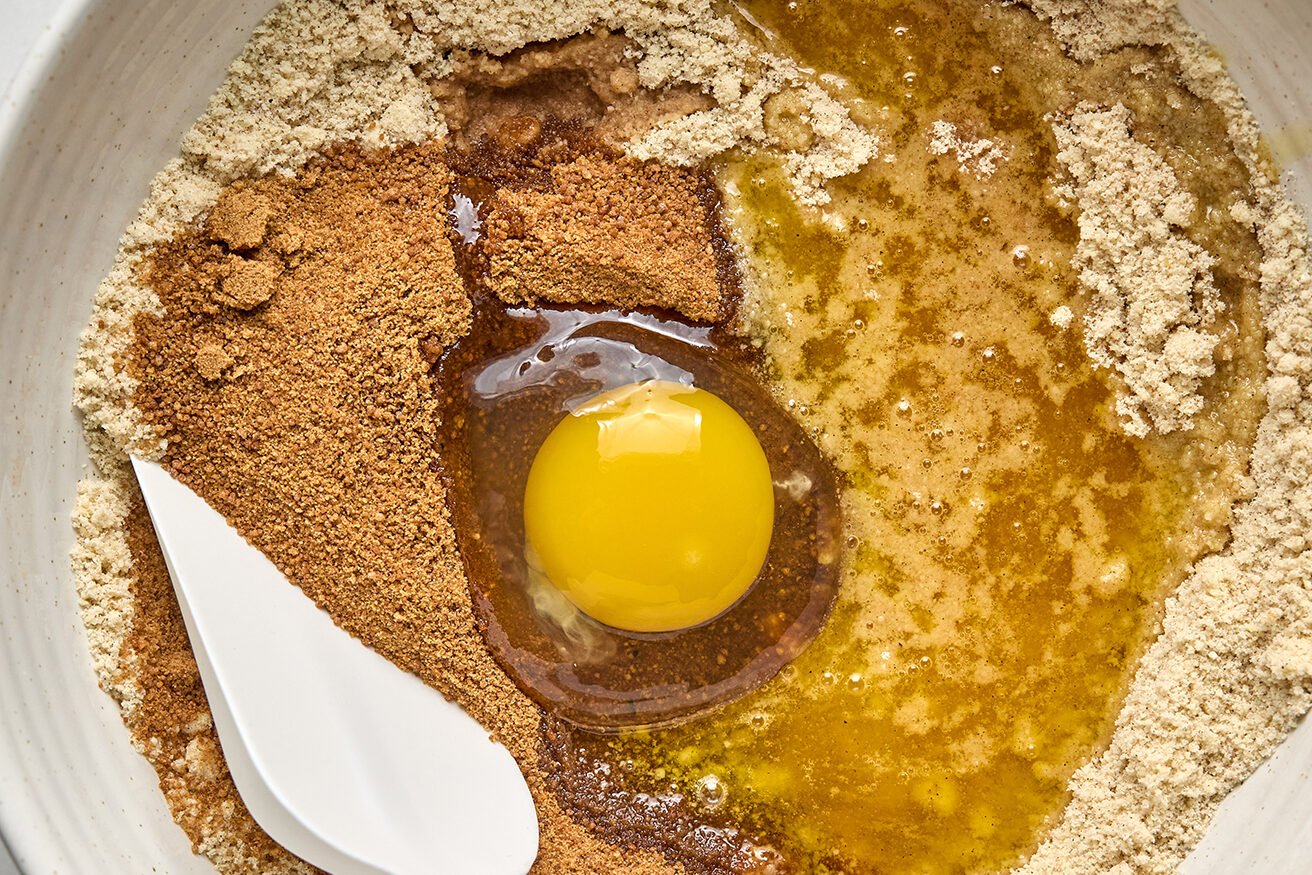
[1231, 673]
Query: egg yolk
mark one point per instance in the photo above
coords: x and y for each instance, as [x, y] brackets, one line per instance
[650, 507]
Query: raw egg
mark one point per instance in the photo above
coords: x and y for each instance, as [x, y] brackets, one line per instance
[650, 507]
[646, 532]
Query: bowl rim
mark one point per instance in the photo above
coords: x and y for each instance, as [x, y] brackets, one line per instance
[35, 67]
[17, 103]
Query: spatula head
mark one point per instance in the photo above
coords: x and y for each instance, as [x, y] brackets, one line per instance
[343, 758]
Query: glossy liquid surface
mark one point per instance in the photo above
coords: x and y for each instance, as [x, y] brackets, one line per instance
[510, 386]
[1008, 545]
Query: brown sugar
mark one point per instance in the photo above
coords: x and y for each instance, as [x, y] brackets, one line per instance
[248, 283]
[239, 218]
[321, 447]
[212, 360]
[606, 231]
[173, 724]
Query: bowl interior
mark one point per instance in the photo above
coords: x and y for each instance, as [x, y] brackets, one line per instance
[99, 108]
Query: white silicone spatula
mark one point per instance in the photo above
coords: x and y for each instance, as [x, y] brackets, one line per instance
[344, 759]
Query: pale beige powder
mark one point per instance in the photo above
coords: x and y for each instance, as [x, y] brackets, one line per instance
[1231, 673]
[978, 157]
[680, 43]
[1092, 28]
[1152, 303]
[102, 567]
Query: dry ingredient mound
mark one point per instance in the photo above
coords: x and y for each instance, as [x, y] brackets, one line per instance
[1231, 673]
[1152, 303]
[618, 233]
[277, 290]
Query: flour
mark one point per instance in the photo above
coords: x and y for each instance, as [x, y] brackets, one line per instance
[978, 157]
[1091, 28]
[1231, 673]
[102, 567]
[1152, 301]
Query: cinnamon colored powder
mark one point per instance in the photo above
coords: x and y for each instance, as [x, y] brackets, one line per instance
[308, 419]
[607, 232]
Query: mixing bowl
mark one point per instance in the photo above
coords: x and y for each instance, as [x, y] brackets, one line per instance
[98, 108]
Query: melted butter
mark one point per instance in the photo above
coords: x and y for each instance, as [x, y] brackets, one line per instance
[1009, 547]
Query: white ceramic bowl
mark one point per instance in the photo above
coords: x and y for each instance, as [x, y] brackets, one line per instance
[98, 108]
